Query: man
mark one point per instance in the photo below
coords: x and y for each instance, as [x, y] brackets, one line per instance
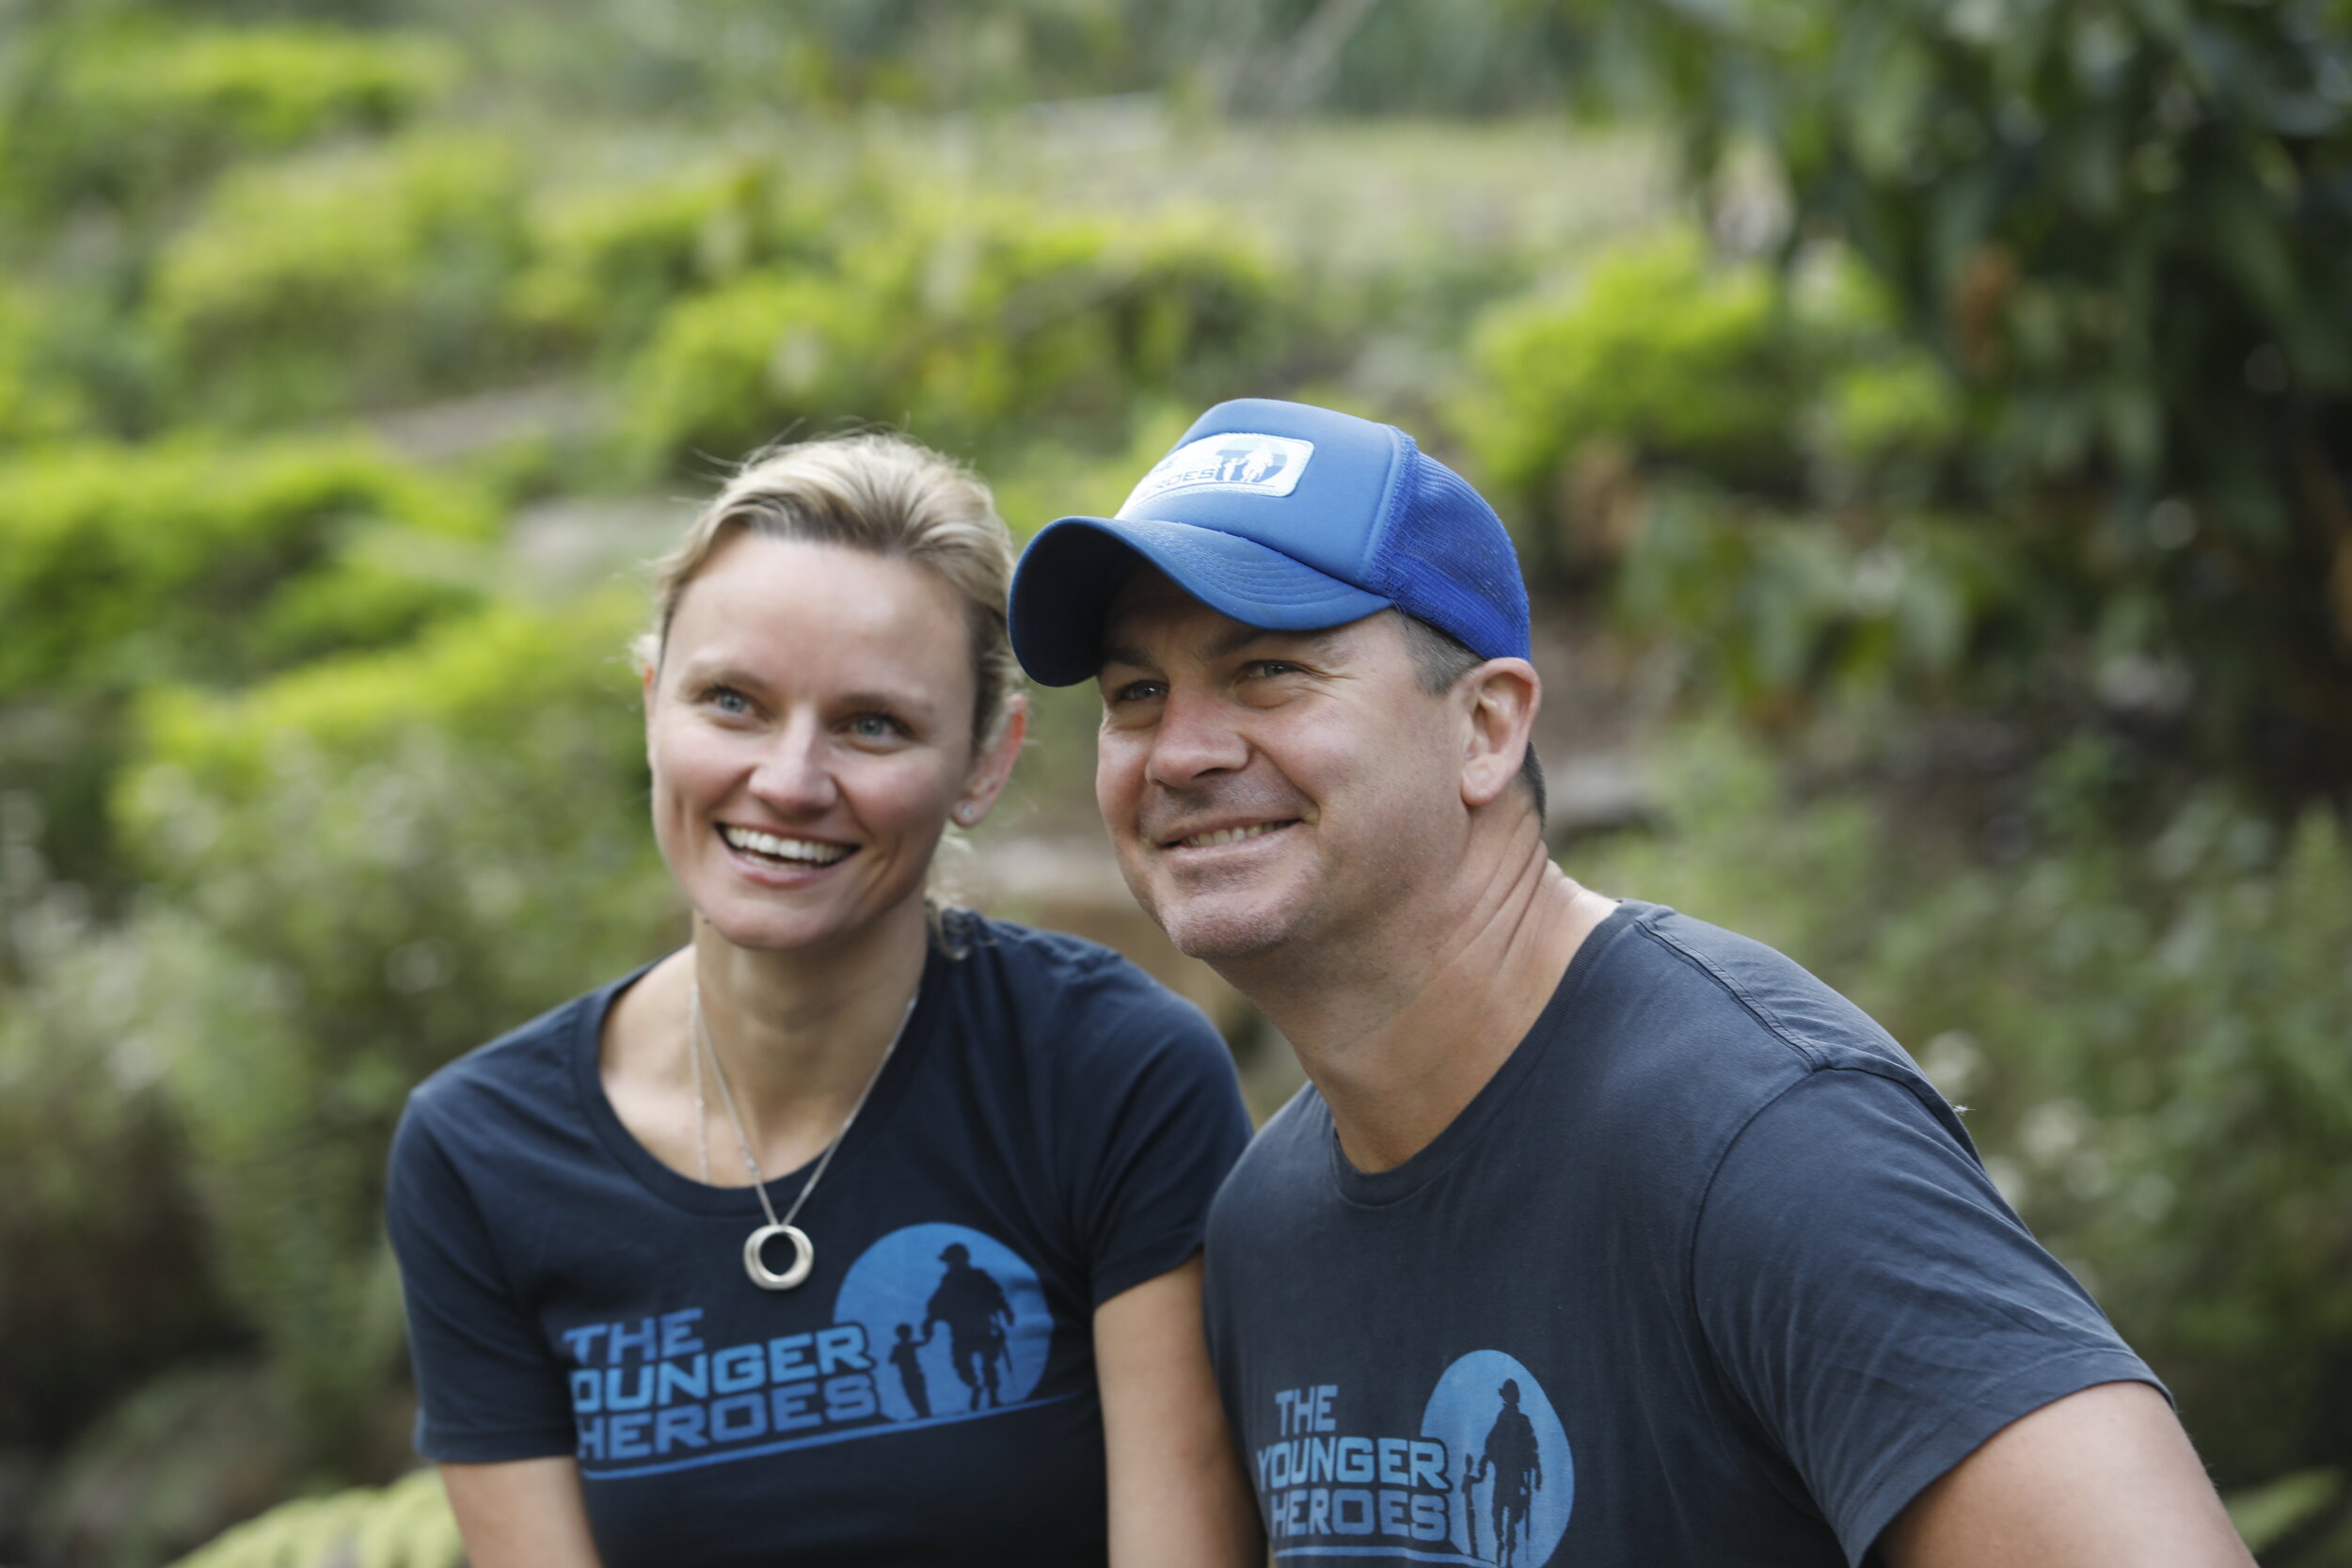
[972, 1306]
[1674, 1206]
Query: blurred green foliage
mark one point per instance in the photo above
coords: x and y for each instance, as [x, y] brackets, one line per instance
[965, 317]
[406, 1525]
[353, 866]
[122, 565]
[1652, 348]
[107, 1280]
[138, 109]
[353, 277]
[2128, 229]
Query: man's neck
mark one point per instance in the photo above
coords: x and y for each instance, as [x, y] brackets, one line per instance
[1400, 1031]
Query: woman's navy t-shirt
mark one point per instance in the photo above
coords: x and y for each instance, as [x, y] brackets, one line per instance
[1049, 1133]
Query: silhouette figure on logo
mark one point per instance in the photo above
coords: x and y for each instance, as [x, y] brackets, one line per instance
[1512, 1463]
[974, 1309]
[1248, 464]
[907, 1357]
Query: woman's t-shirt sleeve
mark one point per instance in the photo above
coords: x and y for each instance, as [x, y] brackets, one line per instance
[1875, 1303]
[488, 1389]
[1161, 1122]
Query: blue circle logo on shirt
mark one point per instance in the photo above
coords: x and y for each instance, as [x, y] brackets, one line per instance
[1513, 1479]
[956, 1322]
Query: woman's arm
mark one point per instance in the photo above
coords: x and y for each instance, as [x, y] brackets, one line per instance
[525, 1514]
[1178, 1494]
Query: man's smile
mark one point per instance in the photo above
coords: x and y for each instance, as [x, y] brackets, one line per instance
[1214, 837]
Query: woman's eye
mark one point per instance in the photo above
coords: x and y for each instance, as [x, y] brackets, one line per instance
[876, 726]
[727, 700]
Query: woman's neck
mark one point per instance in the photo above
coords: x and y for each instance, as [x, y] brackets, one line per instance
[801, 1035]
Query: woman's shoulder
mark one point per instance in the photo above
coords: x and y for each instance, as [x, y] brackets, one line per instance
[527, 1071]
[1034, 958]
[1083, 992]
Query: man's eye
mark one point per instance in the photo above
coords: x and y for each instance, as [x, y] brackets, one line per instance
[1138, 691]
[1272, 667]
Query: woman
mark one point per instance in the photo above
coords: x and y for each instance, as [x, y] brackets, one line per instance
[854, 1231]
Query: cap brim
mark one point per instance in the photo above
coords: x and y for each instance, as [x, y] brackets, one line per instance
[1062, 590]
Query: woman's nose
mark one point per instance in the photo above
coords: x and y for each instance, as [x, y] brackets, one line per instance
[795, 772]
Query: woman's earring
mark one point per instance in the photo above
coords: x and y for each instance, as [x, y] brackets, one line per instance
[963, 814]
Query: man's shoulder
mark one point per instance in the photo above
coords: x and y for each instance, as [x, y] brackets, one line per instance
[1682, 975]
[1276, 1172]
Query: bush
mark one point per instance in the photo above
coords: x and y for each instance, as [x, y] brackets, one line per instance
[134, 115]
[1660, 359]
[960, 323]
[121, 565]
[360, 870]
[1656, 346]
[607, 262]
[346, 279]
[107, 1280]
[2126, 229]
[406, 1525]
[2150, 1033]
[37, 403]
[1802, 618]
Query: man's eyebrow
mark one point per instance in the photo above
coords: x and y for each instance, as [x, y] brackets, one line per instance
[1233, 641]
[1226, 644]
[1131, 656]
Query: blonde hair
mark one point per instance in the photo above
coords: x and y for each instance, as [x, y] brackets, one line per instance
[876, 492]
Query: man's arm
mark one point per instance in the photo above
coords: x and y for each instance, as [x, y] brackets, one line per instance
[1178, 1494]
[2104, 1477]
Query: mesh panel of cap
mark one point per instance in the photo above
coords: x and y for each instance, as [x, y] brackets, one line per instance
[1443, 557]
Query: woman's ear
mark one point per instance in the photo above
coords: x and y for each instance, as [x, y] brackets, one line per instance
[991, 766]
[648, 674]
[1502, 695]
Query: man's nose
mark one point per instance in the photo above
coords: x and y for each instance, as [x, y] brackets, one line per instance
[1195, 737]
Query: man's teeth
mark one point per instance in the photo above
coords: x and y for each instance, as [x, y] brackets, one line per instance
[1228, 835]
[805, 850]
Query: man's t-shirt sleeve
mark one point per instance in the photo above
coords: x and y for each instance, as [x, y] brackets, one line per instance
[1162, 1123]
[1875, 1303]
[488, 1387]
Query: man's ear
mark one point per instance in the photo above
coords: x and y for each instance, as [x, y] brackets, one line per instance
[1502, 696]
[991, 768]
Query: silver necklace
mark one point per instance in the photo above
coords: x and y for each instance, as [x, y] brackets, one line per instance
[803, 1250]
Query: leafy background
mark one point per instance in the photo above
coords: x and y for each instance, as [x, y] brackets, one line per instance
[1925, 423]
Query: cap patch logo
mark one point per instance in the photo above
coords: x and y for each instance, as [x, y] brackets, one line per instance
[1257, 465]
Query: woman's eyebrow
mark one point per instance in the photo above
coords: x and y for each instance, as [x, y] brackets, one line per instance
[723, 672]
[896, 701]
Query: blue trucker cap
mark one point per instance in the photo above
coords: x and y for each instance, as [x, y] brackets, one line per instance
[1282, 516]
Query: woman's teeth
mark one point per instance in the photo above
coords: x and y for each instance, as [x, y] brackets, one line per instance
[801, 851]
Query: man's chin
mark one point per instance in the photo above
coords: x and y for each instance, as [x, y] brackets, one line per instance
[1220, 934]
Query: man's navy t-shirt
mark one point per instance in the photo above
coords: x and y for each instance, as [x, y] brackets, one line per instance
[1048, 1133]
[1706, 1274]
